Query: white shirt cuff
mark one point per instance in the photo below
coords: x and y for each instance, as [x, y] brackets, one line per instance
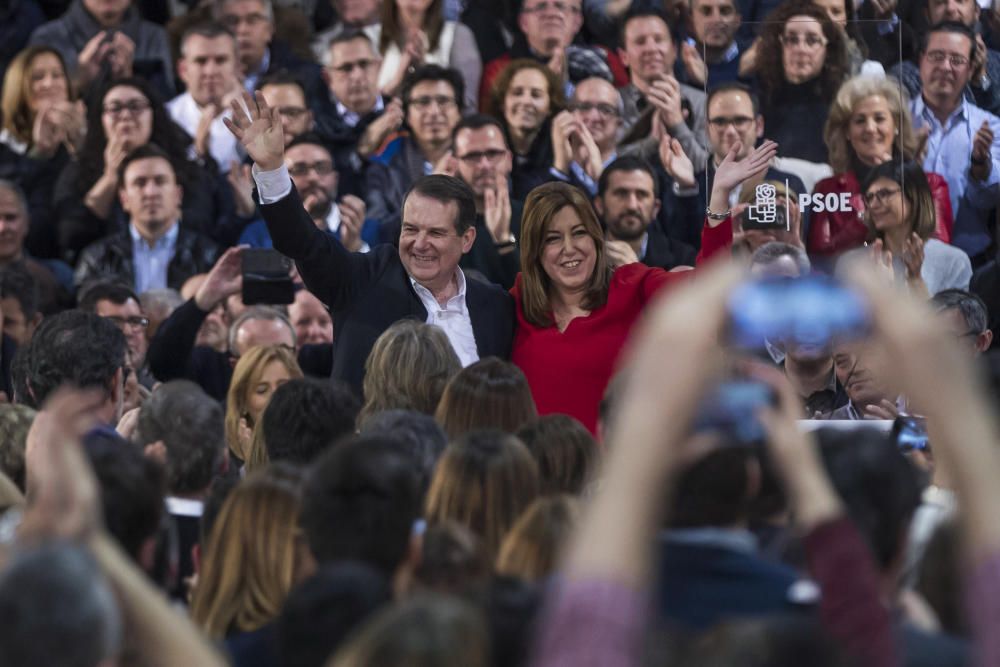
[272, 185]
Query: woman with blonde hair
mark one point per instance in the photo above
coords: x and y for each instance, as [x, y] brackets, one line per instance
[254, 555]
[533, 547]
[574, 309]
[490, 393]
[408, 369]
[40, 113]
[869, 124]
[258, 373]
[44, 126]
[483, 481]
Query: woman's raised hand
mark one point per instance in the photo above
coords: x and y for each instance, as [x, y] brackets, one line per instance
[731, 172]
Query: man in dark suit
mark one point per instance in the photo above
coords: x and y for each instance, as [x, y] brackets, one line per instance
[366, 293]
[628, 201]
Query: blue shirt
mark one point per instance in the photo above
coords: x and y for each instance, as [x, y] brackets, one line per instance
[151, 263]
[252, 78]
[949, 153]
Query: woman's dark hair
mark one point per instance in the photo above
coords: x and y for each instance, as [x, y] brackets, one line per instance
[770, 68]
[490, 393]
[165, 133]
[912, 181]
[565, 451]
[392, 27]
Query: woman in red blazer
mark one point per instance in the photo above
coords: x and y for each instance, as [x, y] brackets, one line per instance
[869, 124]
[574, 308]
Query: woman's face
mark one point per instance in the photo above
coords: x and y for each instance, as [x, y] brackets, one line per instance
[527, 101]
[126, 113]
[887, 207]
[803, 49]
[871, 130]
[568, 252]
[47, 82]
[275, 374]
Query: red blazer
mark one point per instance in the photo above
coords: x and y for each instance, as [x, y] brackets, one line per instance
[569, 371]
[834, 233]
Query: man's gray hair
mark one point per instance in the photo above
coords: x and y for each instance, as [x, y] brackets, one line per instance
[15, 189]
[258, 313]
[973, 309]
[57, 609]
[769, 253]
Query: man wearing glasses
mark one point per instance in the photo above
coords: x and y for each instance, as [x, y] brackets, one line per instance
[119, 304]
[432, 106]
[585, 139]
[983, 86]
[548, 29]
[734, 116]
[962, 139]
[311, 167]
[484, 162]
[355, 119]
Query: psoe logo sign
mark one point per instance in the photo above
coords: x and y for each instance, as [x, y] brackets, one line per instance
[831, 202]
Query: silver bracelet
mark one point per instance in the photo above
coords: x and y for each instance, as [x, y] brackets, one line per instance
[718, 216]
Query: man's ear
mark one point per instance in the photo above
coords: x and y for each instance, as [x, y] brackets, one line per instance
[984, 340]
[656, 209]
[760, 126]
[468, 238]
[182, 69]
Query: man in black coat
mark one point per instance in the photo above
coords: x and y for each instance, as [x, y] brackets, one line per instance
[366, 293]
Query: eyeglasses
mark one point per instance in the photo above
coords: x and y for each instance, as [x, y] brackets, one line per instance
[443, 101]
[345, 69]
[606, 110]
[135, 322]
[292, 112]
[542, 7]
[880, 195]
[474, 158]
[232, 21]
[938, 57]
[322, 168]
[739, 122]
[132, 107]
[811, 42]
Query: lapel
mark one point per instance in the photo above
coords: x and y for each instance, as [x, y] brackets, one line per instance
[479, 314]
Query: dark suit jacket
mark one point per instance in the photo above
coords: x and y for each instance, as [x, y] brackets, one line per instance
[486, 260]
[368, 292]
[702, 584]
[666, 253]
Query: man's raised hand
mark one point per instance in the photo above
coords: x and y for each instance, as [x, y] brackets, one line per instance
[260, 133]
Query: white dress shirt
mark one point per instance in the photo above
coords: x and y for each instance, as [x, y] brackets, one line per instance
[222, 145]
[453, 318]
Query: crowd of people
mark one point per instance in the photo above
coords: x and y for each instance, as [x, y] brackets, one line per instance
[354, 333]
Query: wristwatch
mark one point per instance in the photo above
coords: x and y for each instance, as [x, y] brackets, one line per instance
[511, 241]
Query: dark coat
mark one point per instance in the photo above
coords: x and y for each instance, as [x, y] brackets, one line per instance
[111, 259]
[368, 292]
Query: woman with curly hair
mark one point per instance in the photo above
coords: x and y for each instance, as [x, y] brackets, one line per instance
[801, 63]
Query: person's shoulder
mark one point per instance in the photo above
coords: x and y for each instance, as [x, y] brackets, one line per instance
[633, 276]
[492, 291]
[835, 183]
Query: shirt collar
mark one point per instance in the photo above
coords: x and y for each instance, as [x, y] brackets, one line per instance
[352, 117]
[921, 110]
[644, 246]
[166, 241]
[332, 220]
[459, 277]
[731, 53]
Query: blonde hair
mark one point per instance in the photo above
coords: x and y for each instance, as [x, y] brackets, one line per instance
[543, 203]
[853, 92]
[18, 119]
[248, 565]
[246, 374]
[483, 481]
[534, 545]
[408, 369]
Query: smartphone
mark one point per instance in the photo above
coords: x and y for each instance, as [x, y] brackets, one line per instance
[811, 311]
[267, 277]
[910, 433]
[731, 409]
